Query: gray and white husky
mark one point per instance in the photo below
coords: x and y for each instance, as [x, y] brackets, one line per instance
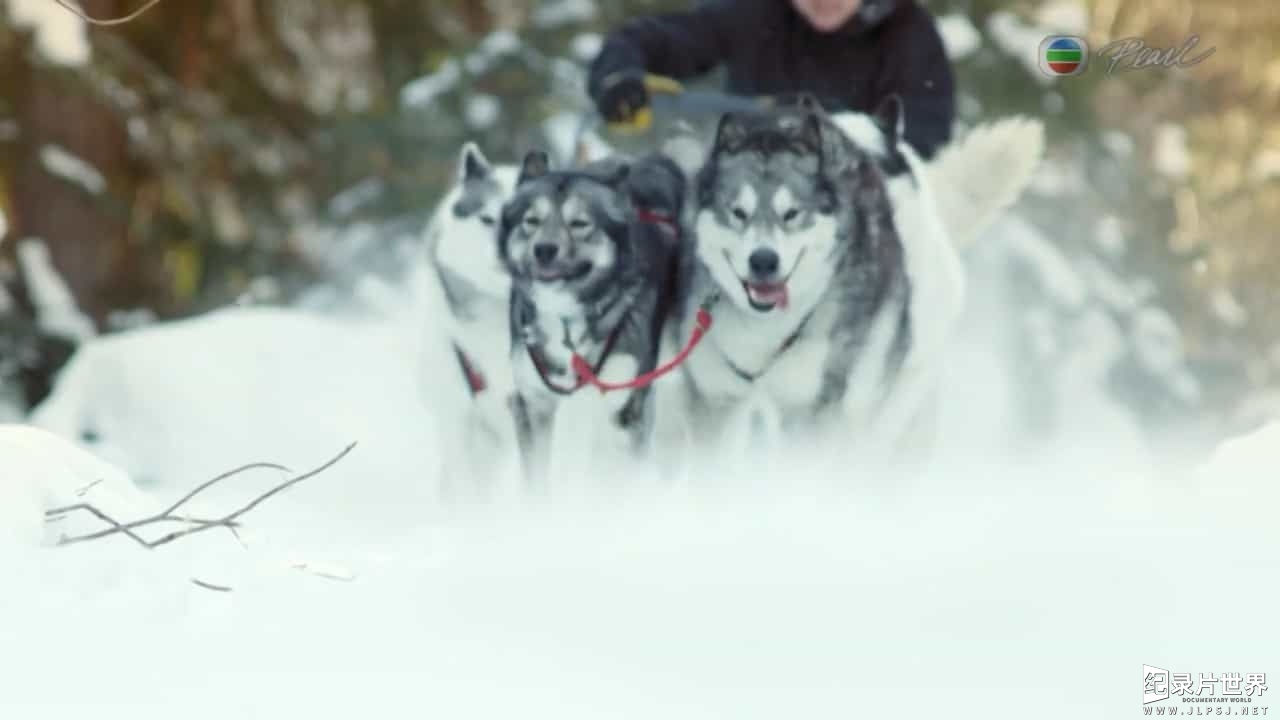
[592, 277]
[470, 284]
[795, 237]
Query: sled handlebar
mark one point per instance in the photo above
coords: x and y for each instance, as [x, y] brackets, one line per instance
[669, 97]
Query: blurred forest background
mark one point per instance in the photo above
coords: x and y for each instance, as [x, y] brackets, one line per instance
[261, 151]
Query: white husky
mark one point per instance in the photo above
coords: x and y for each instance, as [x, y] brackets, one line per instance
[467, 292]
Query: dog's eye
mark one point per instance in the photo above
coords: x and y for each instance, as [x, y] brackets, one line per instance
[579, 224]
[740, 214]
[790, 214]
[532, 222]
[487, 220]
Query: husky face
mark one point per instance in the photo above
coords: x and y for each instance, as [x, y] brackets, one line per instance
[765, 218]
[468, 222]
[564, 233]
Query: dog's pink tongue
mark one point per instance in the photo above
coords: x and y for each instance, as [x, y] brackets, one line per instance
[772, 294]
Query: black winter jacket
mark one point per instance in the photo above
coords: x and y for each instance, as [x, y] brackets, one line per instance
[767, 48]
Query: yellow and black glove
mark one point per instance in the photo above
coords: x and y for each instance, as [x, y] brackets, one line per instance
[623, 101]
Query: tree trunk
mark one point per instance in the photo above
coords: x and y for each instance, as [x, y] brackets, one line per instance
[85, 233]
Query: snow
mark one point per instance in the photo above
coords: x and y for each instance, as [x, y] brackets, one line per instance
[1170, 154]
[810, 602]
[1227, 308]
[55, 307]
[67, 166]
[586, 46]
[495, 46]
[1244, 465]
[423, 91]
[61, 37]
[774, 592]
[758, 595]
[1158, 341]
[558, 13]
[1053, 103]
[39, 471]
[1110, 236]
[350, 200]
[1118, 143]
[1055, 272]
[562, 133]
[960, 38]
[1019, 40]
[482, 111]
[1069, 17]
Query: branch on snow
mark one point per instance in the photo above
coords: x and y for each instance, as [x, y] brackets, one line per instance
[231, 521]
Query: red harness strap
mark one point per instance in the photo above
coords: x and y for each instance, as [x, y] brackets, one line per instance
[587, 376]
[475, 379]
[645, 215]
[540, 364]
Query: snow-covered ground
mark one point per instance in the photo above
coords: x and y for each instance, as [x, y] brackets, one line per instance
[996, 593]
[985, 587]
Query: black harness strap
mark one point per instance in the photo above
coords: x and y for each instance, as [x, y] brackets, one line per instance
[786, 345]
[539, 360]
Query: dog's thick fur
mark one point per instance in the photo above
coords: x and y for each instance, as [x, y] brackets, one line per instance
[935, 211]
[468, 281]
[589, 276]
[794, 232]
[940, 208]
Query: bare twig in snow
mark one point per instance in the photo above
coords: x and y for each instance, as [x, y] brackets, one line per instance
[328, 572]
[210, 586]
[109, 22]
[197, 525]
[81, 492]
[166, 516]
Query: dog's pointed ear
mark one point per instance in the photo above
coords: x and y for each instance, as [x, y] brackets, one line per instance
[472, 164]
[730, 133]
[891, 117]
[536, 164]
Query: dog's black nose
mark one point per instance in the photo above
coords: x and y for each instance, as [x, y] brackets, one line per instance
[545, 253]
[763, 262]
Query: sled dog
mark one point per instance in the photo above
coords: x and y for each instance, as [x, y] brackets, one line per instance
[935, 209]
[593, 276]
[471, 286]
[795, 241]
[940, 208]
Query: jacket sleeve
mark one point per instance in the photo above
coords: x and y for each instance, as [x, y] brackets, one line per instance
[919, 71]
[678, 45]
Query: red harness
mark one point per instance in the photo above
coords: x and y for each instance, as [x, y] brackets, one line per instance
[475, 379]
[588, 375]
